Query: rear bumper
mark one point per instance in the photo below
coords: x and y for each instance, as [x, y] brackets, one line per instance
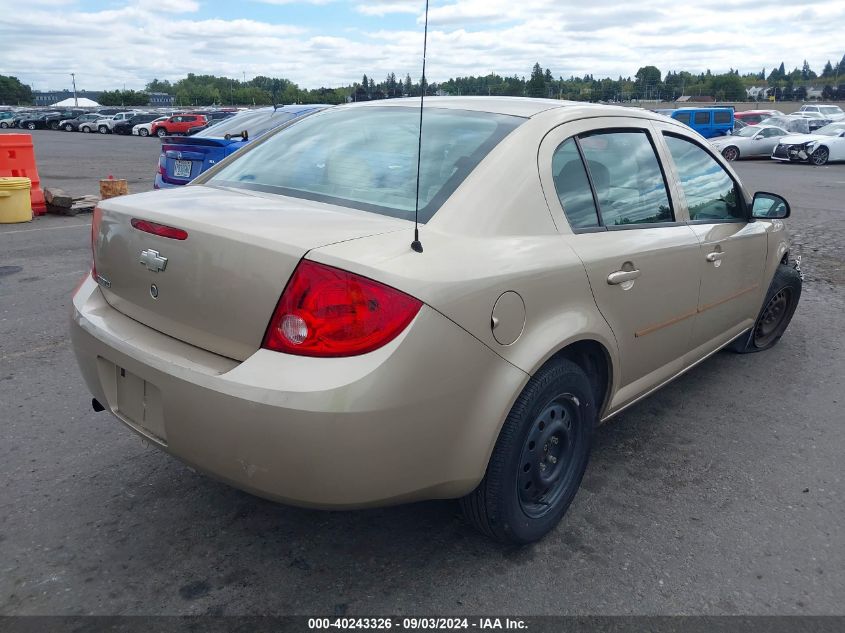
[416, 419]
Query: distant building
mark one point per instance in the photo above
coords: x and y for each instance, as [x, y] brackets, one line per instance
[161, 99]
[698, 99]
[49, 97]
[759, 93]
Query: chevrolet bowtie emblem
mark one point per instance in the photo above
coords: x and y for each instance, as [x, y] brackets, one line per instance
[153, 261]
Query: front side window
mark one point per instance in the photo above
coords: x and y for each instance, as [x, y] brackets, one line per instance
[702, 118]
[710, 192]
[573, 186]
[628, 182]
[366, 157]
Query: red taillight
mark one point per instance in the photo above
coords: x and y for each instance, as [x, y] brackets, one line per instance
[162, 230]
[325, 311]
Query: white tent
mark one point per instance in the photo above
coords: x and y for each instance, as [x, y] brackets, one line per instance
[81, 102]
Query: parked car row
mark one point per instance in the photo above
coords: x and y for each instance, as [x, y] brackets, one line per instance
[771, 138]
[183, 158]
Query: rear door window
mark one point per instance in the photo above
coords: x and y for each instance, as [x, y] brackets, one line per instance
[683, 117]
[627, 178]
[711, 194]
[702, 118]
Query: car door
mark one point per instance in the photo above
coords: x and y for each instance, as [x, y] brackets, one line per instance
[766, 139]
[733, 249]
[641, 259]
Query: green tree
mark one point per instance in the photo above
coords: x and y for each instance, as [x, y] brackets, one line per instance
[828, 70]
[536, 86]
[13, 92]
[647, 82]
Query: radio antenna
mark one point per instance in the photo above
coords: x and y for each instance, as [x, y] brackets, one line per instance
[416, 245]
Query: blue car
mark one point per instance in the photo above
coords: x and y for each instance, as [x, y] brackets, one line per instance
[183, 158]
[708, 122]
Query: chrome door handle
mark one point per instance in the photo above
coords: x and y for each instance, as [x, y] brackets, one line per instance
[715, 256]
[621, 276]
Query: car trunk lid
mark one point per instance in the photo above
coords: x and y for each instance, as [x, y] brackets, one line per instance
[217, 288]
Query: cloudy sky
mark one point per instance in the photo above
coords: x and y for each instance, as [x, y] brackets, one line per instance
[111, 43]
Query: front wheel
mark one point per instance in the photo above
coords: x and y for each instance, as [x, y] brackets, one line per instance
[730, 153]
[54, 125]
[103, 129]
[820, 156]
[161, 132]
[68, 128]
[539, 458]
[778, 308]
[3, 125]
[143, 132]
[30, 126]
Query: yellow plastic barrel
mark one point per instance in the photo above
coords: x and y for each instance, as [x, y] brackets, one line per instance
[15, 205]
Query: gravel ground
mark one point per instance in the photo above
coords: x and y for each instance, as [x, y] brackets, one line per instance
[720, 494]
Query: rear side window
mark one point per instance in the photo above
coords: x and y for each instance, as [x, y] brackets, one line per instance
[627, 178]
[573, 186]
[254, 123]
[702, 118]
[683, 117]
[366, 157]
[720, 116]
[711, 193]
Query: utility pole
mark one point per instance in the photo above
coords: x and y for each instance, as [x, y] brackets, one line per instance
[75, 101]
[244, 74]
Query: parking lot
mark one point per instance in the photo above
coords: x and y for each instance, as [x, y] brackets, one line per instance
[720, 494]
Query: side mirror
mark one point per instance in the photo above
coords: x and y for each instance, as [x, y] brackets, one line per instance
[769, 206]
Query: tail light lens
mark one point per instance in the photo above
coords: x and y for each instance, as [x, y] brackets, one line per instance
[328, 312]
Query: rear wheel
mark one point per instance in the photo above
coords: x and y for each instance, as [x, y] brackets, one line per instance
[4, 124]
[778, 308]
[68, 128]
[103, 129]
[161, 132]
[54, 125]
[730, 153]
[820, 156]
[539, 458]
[143, 132]
[30, 126]
[85, 129]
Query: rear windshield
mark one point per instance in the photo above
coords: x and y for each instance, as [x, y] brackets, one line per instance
[366, 158]
[255, 123]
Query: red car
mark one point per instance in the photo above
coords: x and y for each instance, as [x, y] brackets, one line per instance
[753, 117]
[177, 124]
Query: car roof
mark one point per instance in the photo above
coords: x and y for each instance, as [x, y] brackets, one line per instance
[525, 107]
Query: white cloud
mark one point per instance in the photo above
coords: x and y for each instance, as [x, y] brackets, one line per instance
[141, 39]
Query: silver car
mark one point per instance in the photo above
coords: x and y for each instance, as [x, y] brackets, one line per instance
[750, 141]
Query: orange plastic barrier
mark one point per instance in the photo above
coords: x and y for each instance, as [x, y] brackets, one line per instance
[17, 159]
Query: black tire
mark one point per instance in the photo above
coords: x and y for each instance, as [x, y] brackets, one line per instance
[545, 441]
[778, 307]
[68, 127]
[730, 153]
[30, 126]
[161, 132]
[3, 125]
[820, 156]
[143, 132]
[86, 129]
[103, 129]
[54, 125]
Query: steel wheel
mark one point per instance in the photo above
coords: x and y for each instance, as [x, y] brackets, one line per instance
[820, 156]
[730, 153]
[68, 128]
[30, 126]
[769, 324]
[547, 464]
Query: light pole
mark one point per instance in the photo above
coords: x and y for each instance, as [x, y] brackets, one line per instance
[75, 101]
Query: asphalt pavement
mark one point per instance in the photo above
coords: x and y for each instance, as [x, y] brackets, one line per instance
[720, 494]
